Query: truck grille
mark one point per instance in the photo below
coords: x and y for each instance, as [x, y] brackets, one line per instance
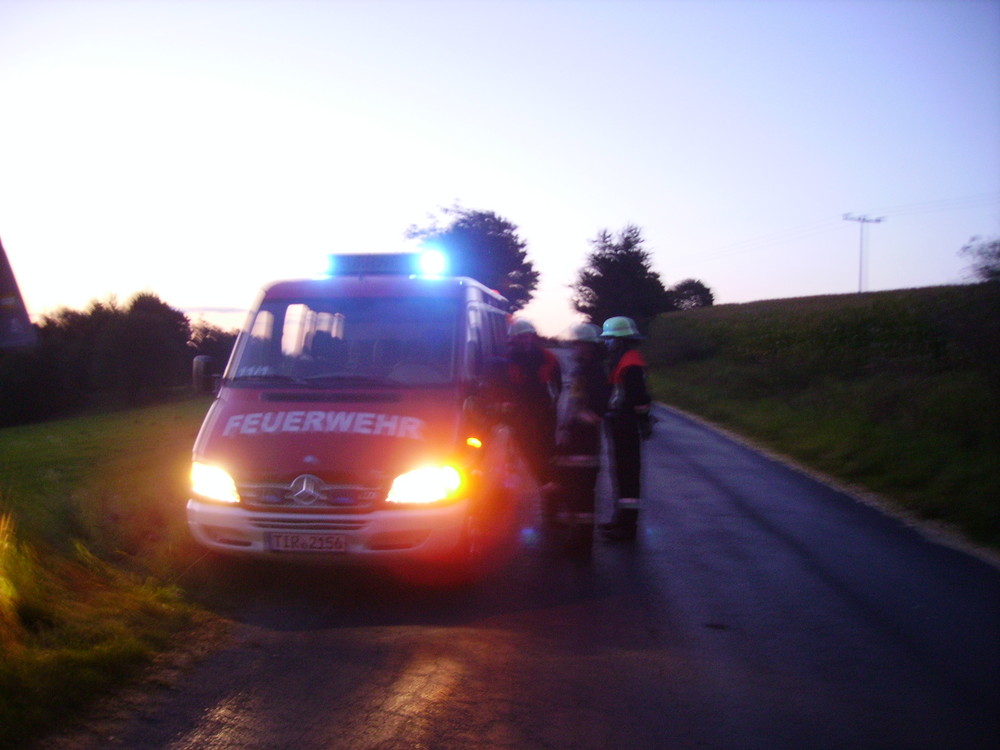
[308, 492]
[306, 525]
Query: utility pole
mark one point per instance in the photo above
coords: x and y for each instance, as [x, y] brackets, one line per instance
[862, 220]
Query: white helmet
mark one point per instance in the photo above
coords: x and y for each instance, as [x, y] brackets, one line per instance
[519, 326]
[620, 327]
[585, 332]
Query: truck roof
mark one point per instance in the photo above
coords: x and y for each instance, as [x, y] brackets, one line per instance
[459, 287]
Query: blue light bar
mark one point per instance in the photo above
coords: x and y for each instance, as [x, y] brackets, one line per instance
[427, 263]
[432, 263]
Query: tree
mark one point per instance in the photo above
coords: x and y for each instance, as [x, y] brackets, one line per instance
[32, 387]
[84, 345]
[120, 350]
[618, 280]
[153, 344]
[209, 339]
[487, 248]
[690, 294]
[985, 255]
[103, 355]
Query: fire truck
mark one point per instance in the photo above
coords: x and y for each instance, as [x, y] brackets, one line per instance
[354, 421]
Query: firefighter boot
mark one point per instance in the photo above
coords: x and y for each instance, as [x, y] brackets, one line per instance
[580, 540]
[622, 527]
[552, 502]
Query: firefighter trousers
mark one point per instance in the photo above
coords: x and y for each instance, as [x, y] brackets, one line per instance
[625, 441]
[574, 503]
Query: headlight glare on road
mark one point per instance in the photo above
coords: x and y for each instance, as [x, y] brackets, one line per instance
[428, 484]
[213, 483]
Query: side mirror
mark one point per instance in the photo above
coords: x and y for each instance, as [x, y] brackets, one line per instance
[203, 375]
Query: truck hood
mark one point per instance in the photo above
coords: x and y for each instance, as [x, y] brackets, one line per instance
[263, 435]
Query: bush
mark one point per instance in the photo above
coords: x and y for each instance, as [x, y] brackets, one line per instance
[106, 356]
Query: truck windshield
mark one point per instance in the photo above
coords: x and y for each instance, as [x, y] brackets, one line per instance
[324, 342]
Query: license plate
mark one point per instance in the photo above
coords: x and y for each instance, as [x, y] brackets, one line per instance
[306, 542]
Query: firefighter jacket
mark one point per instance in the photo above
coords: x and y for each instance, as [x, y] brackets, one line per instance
[534, 380]
[534, 375]
[581, 408]
[630, 400]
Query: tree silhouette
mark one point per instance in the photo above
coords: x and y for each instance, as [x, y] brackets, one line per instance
[106, 355]
[618, 280]
[153, 344]
[209, 339]
[985, 256]
[690, 294]
[485, 247]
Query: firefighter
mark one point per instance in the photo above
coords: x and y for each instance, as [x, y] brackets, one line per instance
[628, 423]
[578, 437]
[534, 381]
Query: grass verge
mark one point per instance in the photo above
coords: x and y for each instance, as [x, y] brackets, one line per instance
[90, 534]
[897, 392]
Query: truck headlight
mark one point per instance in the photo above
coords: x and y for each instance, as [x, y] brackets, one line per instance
[213, 483]
[428, 484]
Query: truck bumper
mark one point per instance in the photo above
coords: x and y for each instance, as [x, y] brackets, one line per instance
[383, 536]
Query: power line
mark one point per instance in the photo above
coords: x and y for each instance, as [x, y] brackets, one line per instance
[820, 226]
[862, 220]
[768, 240]
[945, 204]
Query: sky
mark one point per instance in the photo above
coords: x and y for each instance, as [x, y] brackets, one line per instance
[200, 149]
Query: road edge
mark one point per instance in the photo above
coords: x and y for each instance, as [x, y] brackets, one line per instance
[933, 531]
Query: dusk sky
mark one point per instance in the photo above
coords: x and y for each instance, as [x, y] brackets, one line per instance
[200, 149]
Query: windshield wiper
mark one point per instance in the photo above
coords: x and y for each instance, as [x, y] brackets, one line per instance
[273, 377]
[343, 378]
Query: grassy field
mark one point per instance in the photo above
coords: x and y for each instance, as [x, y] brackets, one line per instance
[895, 392]
[91, 543]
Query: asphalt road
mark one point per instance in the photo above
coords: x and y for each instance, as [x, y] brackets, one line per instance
[758, 609]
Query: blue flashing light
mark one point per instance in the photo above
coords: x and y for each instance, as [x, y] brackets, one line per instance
[432, 263]
[429, 263]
